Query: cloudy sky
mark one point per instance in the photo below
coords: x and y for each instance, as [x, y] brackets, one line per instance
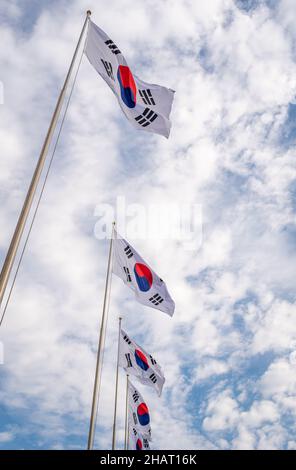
[229, 351]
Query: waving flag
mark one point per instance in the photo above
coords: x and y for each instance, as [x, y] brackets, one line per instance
[137, 362]
[146, 106]
[137, 441]
[139, 416]
[134, 271]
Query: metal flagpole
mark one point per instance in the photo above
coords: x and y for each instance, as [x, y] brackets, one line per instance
[98, 372]
[126, 431]
[116, 388]
[15, 241]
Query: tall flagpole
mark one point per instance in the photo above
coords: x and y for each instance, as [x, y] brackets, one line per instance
[99, 363]
[15, 241]
[116, 387]
[126, 429]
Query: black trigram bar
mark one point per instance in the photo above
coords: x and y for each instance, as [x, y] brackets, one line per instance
[145, 443]
[108, 68]
[128, 276]
[156, 299]
[153, 361]
[128, 360]
[153, 378]
[127, 340]
[136, 396]
[135, 431]
[146, 118]
[135, 418]
[114, 49]
[128, 251]
[147, 97]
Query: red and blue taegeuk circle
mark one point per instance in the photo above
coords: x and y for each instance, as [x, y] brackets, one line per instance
[141, 360]
[128, 89]
[139, 445]
[143, 414]
[144, 277]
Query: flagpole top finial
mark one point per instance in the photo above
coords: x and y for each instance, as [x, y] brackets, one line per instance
[88, 12]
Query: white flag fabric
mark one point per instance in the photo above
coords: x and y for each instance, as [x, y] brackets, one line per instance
[146, 106]
[136, 361]
[136, 440]
[138, 412]
[149, 289]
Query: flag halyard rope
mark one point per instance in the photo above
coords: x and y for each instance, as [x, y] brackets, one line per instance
[41, 193]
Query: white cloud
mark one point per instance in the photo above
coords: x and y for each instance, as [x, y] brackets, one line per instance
[279, 379]
[276, 328]
[222, 413]
[6, 436]
[234, 76]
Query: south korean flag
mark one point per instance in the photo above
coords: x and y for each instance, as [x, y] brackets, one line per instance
[136, 440]
[138, 412]
[146, 106]
[136, 361]
[149, 289]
